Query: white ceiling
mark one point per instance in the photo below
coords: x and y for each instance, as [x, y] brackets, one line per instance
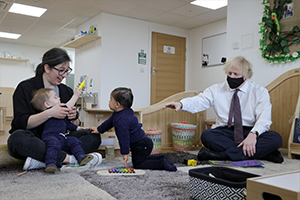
[58, 24]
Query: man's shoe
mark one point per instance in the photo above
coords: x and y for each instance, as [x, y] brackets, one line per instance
[275, 157]
[31, 163]
[205, 154]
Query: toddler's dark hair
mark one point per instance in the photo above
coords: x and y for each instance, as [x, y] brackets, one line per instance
[124, 96]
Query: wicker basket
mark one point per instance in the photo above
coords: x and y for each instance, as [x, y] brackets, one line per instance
[155, 136]
[183, 136]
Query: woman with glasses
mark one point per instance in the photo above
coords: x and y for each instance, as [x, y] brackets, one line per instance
[27, 125]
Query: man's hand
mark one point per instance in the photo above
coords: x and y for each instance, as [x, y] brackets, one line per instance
[249, 145]
[174, 105]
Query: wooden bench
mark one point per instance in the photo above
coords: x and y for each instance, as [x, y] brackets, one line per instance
[153, 117]
[284, 92]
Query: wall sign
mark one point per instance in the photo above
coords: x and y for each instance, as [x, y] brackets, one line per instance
[142, 57]
[169, 50]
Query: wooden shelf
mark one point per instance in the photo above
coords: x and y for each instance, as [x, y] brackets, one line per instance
[78, 42]
[16, 59]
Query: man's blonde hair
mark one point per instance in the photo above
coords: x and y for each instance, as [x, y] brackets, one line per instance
[241, 63]
[39, 97]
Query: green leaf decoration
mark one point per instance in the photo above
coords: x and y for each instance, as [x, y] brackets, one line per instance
[296, 29]
[283, 43]
[286, 50]
[274, 44]
[296, 41]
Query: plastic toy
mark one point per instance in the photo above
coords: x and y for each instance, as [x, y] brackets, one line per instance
[124, 171]
[82, 83]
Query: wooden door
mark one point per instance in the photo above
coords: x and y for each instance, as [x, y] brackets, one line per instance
[167, 66]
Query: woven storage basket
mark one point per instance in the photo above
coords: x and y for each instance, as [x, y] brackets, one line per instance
[183, 136]
[155, 136]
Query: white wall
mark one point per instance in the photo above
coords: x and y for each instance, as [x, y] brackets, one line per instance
[12, 72]
[243, 18]
[113, 61]
[200, 77]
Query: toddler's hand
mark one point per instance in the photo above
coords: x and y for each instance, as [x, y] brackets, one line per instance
[94, 130]
[82, 128]
[125, 158]
[78, 91]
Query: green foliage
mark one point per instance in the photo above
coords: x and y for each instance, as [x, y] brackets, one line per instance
[277, 50]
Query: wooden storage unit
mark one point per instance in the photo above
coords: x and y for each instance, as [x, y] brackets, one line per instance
[2, 118]
[78, 42]
[285, 185]
[6, 100]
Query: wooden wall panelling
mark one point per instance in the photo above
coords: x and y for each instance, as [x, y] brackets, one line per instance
[284, 92]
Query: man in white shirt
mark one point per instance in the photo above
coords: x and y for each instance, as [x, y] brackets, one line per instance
[257, 141]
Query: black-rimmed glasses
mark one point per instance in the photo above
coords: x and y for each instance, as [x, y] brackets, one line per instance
[62, 72]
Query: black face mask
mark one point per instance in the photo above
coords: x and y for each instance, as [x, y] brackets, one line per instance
[234, 82]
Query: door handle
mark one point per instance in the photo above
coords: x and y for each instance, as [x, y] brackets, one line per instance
[154, 70]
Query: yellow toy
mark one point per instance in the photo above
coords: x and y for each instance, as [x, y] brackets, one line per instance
[192, 162]
[82, 83]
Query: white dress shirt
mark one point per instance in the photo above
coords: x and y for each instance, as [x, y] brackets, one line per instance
[254, 100]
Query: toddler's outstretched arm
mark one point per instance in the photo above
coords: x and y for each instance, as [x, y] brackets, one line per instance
[94, 130]
[74, 98]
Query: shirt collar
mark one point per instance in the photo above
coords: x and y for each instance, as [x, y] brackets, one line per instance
[244, 88]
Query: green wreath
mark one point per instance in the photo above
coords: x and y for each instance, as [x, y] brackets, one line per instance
[277, 50]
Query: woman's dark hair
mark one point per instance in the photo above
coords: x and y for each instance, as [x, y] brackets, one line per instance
[52, 57]
[124, 96]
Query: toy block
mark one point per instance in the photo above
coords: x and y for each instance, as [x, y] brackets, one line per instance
[109, 156]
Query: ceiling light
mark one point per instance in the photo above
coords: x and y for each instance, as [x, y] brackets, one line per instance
[211, 4]
[27, 10]
[9, 35]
